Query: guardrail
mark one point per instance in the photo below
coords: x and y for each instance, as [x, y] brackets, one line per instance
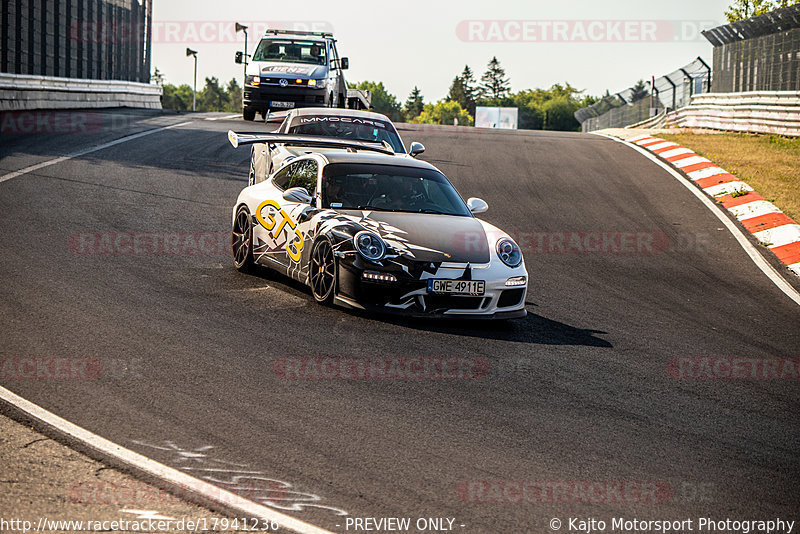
[774, 112]
[656, 121]
[25, 92]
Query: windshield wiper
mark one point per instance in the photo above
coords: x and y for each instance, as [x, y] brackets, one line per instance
[435, 212]
[373, 208]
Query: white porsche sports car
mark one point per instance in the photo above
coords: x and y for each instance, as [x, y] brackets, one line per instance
[365, 228]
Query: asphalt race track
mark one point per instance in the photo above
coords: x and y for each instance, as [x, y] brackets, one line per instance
[578, 391]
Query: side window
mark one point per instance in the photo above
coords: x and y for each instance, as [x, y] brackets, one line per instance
[281, 178]
[304, 174]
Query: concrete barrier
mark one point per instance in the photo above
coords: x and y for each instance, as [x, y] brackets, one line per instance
[24, 92]
[774, 112]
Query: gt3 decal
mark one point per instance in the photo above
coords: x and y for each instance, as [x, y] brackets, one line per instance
[294, 239]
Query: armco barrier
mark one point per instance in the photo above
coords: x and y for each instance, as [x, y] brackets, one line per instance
[656, 121]
[774, 112]
[25, 92]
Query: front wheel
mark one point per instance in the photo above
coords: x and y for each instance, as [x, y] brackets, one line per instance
[249, 114]
[323, 271]
[242, 241]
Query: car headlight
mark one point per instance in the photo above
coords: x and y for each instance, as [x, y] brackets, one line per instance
[370, 245]
[509, 252]
[316, 83]
[253, 80]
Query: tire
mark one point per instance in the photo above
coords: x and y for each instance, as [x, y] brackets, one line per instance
[249, 114]
[330, 100]
[322, 271]
[342, 102]
[242, 241]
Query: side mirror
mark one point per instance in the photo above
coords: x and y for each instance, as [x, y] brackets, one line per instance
[297, 194]
[239, 58]
[477, 206]
[344, 63]
[416, 149]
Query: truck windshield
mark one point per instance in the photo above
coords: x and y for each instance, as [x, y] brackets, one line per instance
[353, 128]
[291, 51]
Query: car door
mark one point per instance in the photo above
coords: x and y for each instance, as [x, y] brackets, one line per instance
[279, 237]
[305, 174]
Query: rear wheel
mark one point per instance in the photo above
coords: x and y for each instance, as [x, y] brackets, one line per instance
[249, 114]
[323, 271]
[242, 240]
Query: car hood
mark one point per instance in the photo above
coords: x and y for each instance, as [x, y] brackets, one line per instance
[428, 237]
[286, 70]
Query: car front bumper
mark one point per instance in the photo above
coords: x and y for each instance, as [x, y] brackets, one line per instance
[410, 297]
[260, 97]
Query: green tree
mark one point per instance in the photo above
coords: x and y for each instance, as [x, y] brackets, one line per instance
[444, 112]
[382, 100]
[559, 114]
[494, 83]
[744, 9]
[158, 77]
[234, 96]
[458, 93]
[470, 87]
[177, 98]
[212, 97]
[415, 104]
[639, 91]
[463, 90]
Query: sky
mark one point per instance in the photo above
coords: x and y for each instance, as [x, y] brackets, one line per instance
[595, 45]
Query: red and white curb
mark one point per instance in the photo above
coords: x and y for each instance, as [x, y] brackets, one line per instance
[769, 225]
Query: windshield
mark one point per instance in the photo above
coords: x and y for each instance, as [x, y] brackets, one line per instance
[353, 128]
[389, 188]
[291, 51]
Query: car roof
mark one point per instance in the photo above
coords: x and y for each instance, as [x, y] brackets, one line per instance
[373, 158]
[338, 112]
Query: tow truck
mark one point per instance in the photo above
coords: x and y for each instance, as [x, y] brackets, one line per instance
[297, 69]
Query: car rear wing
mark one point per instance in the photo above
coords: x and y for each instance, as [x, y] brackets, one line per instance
[239, 139]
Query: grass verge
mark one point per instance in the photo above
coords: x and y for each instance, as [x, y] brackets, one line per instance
[770, 164]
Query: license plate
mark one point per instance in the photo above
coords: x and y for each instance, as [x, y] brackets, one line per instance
[457, 287]
[279, 104]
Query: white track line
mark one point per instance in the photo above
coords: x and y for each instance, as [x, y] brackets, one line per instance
[745, 243]
[176, 479]
[226, 117]
[85, 151]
